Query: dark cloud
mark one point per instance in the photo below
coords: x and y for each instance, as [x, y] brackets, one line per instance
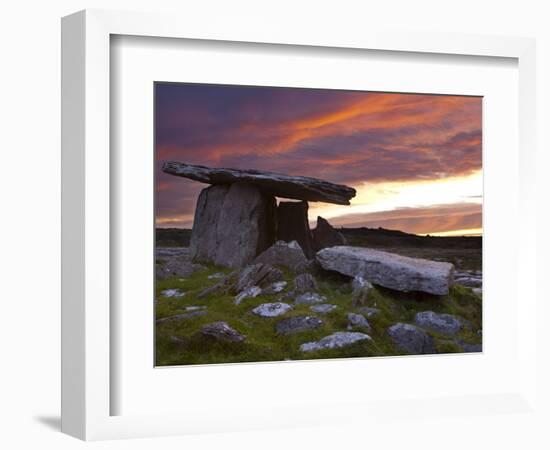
[342, 136]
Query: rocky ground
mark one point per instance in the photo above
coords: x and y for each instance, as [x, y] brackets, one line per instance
[283, 307]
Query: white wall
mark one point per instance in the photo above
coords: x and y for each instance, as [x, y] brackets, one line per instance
[30, 188]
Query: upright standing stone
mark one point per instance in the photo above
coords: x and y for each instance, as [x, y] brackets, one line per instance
[324, 235]
[233, 224]
[293, 225]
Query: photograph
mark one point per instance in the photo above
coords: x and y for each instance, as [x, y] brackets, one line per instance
[297, 223]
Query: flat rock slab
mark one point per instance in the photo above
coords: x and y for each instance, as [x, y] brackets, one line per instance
[175, 262]
[279, 185]
[323, 308]
[440, 323]
[337, 340]
[298, 324]
[309, 298]
[411, 339]
[222, 331]
[272, 309]
[389, 269]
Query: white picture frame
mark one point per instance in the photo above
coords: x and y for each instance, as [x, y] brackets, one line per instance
[86, 220]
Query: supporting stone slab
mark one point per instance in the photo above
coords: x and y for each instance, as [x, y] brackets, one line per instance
[293, 225]
[233, 224]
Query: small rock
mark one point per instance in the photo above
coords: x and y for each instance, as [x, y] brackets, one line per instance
[477, 291]
[411, 339]
[257, 275]
[252, 291]
[222, 331]
[275, 288]
[309, 298]
[469, 281]
[271, 309]
[440, 323]
[323, 308]
[336, 340]
[183, 316]
[216, 276]
[194, 308]
[369, 312]
[357, 321]
[286, 254]
[298, 324]
[360, 290]
[304, 283]
[172, 293]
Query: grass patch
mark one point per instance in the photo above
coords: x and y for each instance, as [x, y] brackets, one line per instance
[180, 342]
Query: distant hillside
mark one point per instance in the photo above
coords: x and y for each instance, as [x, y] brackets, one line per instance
[381, 237]
[365, 237]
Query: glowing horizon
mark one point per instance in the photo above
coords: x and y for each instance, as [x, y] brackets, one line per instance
[415, 160]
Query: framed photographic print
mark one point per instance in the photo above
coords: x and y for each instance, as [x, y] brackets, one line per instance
[265, 220]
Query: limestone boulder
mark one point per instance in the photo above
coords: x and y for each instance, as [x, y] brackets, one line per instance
[388, 269]
[232, 225]
[285, 254]
[411, 339]
[336, 340]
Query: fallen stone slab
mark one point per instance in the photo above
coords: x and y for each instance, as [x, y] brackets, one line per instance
[388, 269]
[222, 331]
[272, 309]
[337, 340]
[357, 321]
[232, 225]
[323, 308]
[276, 184]
[286, 254]
[411, 339]
[298, 324]
[309, 298]
[440, 323]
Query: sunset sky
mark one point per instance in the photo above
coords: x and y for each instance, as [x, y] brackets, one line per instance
[415, 160]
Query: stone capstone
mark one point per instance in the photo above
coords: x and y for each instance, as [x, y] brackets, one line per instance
[276, 184]
[389, 269]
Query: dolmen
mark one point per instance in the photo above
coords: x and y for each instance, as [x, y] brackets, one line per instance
[237, 217]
